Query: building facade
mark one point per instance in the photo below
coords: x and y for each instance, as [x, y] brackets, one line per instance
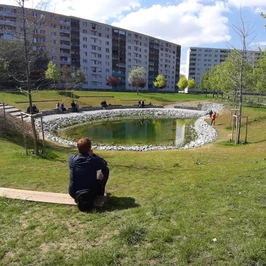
[99, 50]
[200, 60]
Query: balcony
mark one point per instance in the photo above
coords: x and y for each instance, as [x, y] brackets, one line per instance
[63, 38]
[64, 62]
[67, 23]
[65, 31]
[65, 54]
[8, 14]
[7, 22]
[65, 46]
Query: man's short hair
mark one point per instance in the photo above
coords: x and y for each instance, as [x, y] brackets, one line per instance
[84, 145]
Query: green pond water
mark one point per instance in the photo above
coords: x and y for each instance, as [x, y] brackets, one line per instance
[132, 132]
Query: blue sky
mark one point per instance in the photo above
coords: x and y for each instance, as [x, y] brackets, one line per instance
[200, 23]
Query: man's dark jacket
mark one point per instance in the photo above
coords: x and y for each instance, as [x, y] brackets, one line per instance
[85, 172]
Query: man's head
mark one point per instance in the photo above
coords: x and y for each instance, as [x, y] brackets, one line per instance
[84, 145]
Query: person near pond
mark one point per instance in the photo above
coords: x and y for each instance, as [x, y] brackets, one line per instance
[210, 113]
[88, 171]
[213, 117]
[58, 107]
[63, 107]
[104, 104]
[74, 106]
[34, 109]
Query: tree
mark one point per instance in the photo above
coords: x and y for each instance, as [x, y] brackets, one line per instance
[205, 84]
[159, 82]
[27, 56]
[260, 73]
[191, 83]
[136, 77]
[182, 83]
[72, 78]
[52, 73]
[114, 81]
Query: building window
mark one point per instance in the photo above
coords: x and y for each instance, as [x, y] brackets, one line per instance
[84, 39]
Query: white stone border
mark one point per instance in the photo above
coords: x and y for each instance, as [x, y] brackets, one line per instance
[205, 132]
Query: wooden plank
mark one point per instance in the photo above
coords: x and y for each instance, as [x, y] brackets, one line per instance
[48, 197]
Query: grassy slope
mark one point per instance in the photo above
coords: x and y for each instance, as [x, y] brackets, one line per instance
[204, 206]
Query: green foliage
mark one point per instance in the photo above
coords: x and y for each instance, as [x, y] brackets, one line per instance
[80, 77]
[159, 82]
[182, 83]
[136, 77]
[72, 77]
[52, 72]
[260, 73]
[233, 74]
[191, 83]
[205, 82]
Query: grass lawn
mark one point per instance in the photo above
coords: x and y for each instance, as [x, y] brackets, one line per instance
[204, 206]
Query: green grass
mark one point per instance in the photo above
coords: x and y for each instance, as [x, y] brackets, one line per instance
[204, 206]
[85, 98]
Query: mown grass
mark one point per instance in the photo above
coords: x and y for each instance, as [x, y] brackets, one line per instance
[50, 98]
[203, 206]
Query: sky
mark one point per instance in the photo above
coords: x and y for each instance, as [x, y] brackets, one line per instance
[189, 23]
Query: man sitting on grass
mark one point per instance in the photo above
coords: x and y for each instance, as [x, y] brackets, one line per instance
[88, 173]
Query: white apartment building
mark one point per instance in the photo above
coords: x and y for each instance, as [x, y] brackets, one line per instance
[99, 50]
[200, 60]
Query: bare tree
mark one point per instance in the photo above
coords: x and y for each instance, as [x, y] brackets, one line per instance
[29, 51]
[239, 59]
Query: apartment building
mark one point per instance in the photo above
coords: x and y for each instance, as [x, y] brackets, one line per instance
[99, 49]
[200, 60]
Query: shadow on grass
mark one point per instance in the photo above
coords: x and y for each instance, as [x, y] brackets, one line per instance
[118, 203]
[68, 94]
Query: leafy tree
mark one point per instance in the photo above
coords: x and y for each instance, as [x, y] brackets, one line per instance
[52, 73]
[205, 84]
[182, 83]
[26, 66]
[260, 73]
[72, 78]
[79, 77]
[191, 83]
[159, 82]
[136, 77]
[114, 81]
[139, 83]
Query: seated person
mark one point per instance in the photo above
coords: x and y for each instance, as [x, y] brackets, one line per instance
[34, 109]
[104, 104]
[87, 170]
[74, 106]
[63, 107]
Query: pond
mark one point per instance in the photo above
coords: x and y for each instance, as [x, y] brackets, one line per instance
[133, 132]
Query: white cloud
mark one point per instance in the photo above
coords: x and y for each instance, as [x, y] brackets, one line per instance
[255, 4]
[188, 24]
